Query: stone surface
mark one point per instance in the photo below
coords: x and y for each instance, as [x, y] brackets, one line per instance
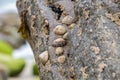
[97, 30]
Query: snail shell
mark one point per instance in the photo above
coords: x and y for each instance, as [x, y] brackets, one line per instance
[59, 30]
[59, 50]
[68, 20]
[66, 36]
[59, 42]
[44, 57]
[72, 26]
[61, 59]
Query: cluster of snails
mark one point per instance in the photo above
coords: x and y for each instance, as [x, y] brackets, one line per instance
[59, 43]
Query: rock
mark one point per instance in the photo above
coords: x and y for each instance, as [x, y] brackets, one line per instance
[60, 42]
[60, 30]
[95, 49]
[44, 57]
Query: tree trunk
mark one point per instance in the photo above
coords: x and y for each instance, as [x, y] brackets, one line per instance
[73, 39]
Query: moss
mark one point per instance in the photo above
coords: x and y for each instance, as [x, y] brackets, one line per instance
[35, 69]
[5, 48]
[14, 66]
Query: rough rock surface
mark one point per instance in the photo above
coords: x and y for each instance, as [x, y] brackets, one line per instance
[93, 48]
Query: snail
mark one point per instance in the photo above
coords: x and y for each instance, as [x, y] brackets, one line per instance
[59, 30]
[59, 50]
[59, 42]
[61, 59]
[44, 57]
[68, 20]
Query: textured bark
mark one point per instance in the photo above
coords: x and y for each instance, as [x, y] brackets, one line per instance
[92, 50]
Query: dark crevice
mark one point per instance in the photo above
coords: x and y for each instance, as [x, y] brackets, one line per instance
[45, 32]
[45, 28]
[73, 0]
[68, 55]
[57, 10]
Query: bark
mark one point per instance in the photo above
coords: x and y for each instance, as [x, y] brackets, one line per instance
[91, 47]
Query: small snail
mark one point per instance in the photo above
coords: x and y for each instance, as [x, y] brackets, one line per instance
[59, 50]
[44, 57]
[59, 30]
[68, 20]
[61, 59]
[59, 42]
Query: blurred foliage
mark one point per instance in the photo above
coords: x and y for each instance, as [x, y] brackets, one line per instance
[14, 66]
[37, 78]
[5, 48]
[35, 69]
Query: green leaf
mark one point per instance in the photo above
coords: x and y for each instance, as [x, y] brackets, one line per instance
[5, 48]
